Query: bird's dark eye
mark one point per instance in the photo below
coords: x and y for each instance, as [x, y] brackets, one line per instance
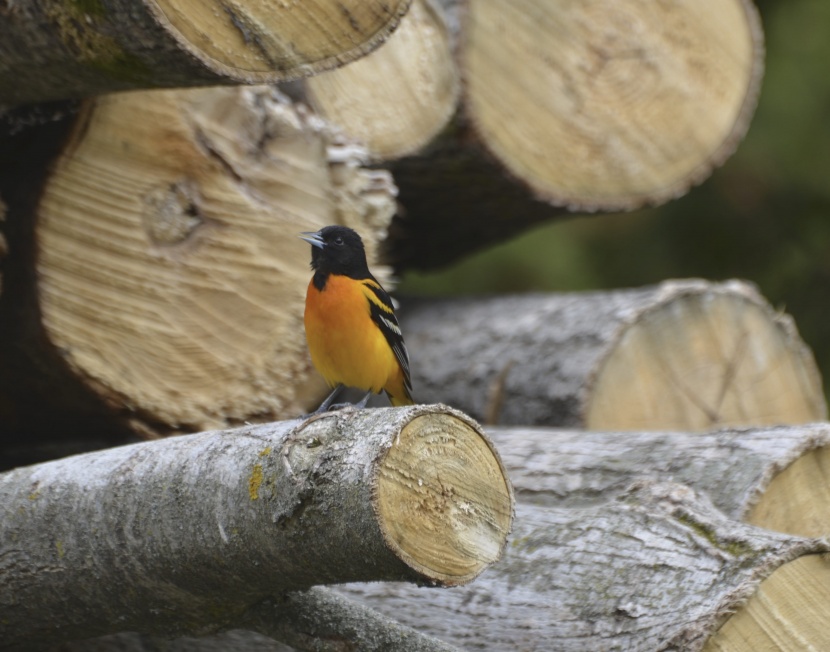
[338, 240]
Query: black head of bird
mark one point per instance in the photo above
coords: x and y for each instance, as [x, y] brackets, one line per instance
[337, 250]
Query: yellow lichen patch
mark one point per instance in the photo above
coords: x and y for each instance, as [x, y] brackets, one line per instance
[255, 481]
[60, 549]
[265, 451]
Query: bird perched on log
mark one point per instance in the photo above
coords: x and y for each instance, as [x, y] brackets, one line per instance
[350, 325]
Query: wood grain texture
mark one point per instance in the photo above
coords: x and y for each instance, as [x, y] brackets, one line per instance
[398, 98]
[202, 528]
[798, 498]
[169, 279]
[685, 355]
[616, 106]
[54, 50]
[574, 106]
[788, 613]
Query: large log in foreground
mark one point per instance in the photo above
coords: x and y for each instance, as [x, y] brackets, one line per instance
[684, 355]
[154, 281]
[582, 106]
[656, 568]
[202, 528]
[56, 50]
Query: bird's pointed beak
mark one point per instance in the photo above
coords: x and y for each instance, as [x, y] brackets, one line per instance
[313, 238]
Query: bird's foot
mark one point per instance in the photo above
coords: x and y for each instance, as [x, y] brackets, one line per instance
[328, 406]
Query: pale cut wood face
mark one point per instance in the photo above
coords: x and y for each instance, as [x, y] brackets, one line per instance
[706, 361]
[260, 36]
[171, 277]
[399, 97]
[788, 612]
[444, 500]
[608, 106]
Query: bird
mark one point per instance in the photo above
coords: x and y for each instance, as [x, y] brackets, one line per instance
[352, 333]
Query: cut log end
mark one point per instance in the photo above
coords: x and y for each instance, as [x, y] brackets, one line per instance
[789, 612]
[443, 499]
[685, 355]
[171, 280]
[706, 359]
[256, 38]
[612, 107]
[399, 97]
[797, 499]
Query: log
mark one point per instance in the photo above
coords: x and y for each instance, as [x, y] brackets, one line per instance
[622, 106]
[317, 619]
[684, 355]
[787, 613]
[770, 477]
[54, 50]
[563, 109]
[167, 290]
[322, 619]
[200, 529]
[657, 568]
[398, 98]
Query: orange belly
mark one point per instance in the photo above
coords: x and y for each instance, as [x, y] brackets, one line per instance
[345, 344]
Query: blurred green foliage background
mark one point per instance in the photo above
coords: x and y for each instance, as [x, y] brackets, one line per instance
[764, 216]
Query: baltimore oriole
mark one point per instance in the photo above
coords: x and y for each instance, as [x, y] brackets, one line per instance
[350, 325]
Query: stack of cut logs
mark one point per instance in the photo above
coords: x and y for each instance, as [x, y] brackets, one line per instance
[652, 469]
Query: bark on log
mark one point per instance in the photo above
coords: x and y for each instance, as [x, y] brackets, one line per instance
[323, 619]
[657, 569]
[684, 355]
[317, 620]
[770, 477]
[155, 282]
[53, 50]
[187, 534]
[577, 107]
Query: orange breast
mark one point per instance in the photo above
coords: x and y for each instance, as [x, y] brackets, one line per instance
[345, 344]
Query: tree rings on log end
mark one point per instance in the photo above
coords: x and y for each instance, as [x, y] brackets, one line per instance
[610, 106]
[398, 98]
[257, 38]
[788, 612]
[443, 499]
[797, 500]
[701, 359]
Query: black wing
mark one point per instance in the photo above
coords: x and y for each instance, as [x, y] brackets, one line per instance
[383, 314]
